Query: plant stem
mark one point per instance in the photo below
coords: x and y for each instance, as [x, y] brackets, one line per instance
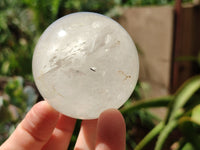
[158, 102]
[165, 133]
[169, 127]
[183, 95]
[155, 131]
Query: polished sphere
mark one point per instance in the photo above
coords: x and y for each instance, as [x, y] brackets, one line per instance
[85, 63]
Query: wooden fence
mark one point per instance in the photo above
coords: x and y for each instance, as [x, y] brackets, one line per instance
[164, 43]
[186, 45]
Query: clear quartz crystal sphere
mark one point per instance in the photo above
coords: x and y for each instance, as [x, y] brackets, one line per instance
[85, 63]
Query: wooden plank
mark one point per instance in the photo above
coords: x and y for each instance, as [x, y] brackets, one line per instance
[186, 44]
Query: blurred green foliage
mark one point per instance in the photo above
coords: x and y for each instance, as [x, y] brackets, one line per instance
[21, 24]
[23, 21]
[15, 101]
[17, 38]
[150, 2]
[182, 116]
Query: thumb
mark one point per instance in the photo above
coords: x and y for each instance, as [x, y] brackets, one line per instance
[111, 131]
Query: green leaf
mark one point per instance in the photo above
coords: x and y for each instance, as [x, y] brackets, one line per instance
[182, 96]
[169, 127]
[55, 7]
[150, 136]
[14, 89]
[188, 146]
[196, 114]
[157, 102]
[5, 67]
[3, 21]
[190, 128]
[165, 133]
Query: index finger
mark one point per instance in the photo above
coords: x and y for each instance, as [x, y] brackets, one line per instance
[35, 130]
[61, 135]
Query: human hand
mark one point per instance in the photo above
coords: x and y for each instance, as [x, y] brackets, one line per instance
[44, 128]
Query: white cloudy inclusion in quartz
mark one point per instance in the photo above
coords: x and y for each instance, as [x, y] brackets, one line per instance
[85, 63]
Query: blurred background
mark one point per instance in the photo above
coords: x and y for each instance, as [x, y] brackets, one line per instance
[167, 37]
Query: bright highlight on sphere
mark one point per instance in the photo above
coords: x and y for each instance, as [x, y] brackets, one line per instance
[85, 63]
